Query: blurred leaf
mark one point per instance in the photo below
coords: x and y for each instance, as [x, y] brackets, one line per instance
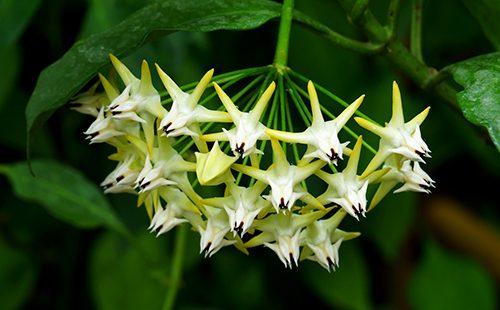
[125, 276]
[388, 223]
[348, 287]
[103, 14]
[445, 281]
[480, 99]
[9, 62]
[486, 13]
[233, 267]
[61, 80]
[17, 277]
[64, 192]
[14, 16]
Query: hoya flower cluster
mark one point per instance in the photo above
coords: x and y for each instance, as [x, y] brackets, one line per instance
[170, 146]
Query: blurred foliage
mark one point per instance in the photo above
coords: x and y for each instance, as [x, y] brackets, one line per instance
[45, 263]
[459, 284]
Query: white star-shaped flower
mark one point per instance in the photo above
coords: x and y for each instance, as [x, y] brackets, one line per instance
[139, 101]
[212, 236]
[102, 129]
[90, 102]
[242, 205]
[346, 188]
[248, 128]
[321, 136]
[121, 179]
[323, 238]
[281, 233]
[185, 109]
[397, 137]
[414, 178]
[179, 209]
[282, 177]
[165, 168]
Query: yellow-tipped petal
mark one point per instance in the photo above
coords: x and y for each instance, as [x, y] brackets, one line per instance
[173, 90]
[252, 172]
[347, 235]
[212, 116]
[397, 106]
[124, 73]
[334, 220]
[352, 164]
[418, 120]
[290, 137]
[376, 129]
[382, 191]
[308, 218]
[110, 90]
[148, 129]
[311, 201]
[315, 106]
[227, 102]
[260, 106]
[376, 161]
[259, 240]
[325, 176]
[146, 85]
[343, 117]
[202, 85]
[210, 166]
[303, 172]
[375, 176]
[279, 157]
[218, 136]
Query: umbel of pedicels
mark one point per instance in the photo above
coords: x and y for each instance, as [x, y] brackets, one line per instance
[275, 210]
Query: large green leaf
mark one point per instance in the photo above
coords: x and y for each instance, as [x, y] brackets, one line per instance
[128, 276]
[445, 281]
[64, 192]
[486, 12]
[17, 277]
[61, 80]
[480, 99]
[346, 288]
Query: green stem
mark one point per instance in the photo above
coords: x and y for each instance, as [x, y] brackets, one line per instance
[176, 268]
[416, 29]
[394, 51]
[281, 54]
[392, 16]
[338, 39]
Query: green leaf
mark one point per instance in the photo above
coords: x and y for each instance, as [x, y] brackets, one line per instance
[389, 222]
[480, 99]
[64, 192]
[486, 12]
[125, 276]
[445, 281]
[348, 287]
[17, 277]
[61, 80]
[14, 16]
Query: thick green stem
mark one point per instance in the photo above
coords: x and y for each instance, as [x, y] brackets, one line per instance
[393, 50]
[281, 54]
[176, 268]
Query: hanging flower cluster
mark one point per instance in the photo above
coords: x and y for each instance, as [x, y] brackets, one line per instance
[171, 144]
